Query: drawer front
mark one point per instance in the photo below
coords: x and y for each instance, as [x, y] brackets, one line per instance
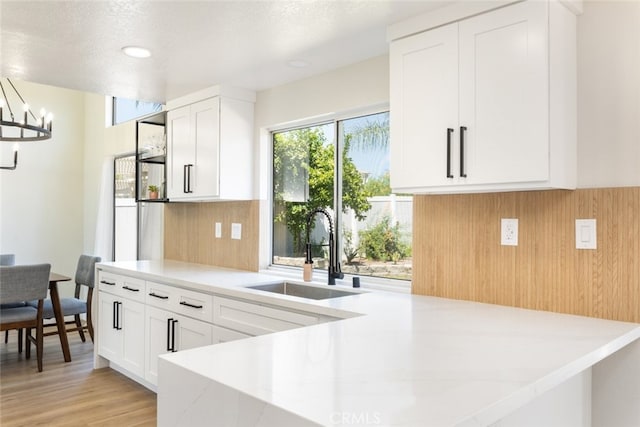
[123, 286]
[254, 319]
[109, 282]
[159, 295]
[193, 304]
[133, 289]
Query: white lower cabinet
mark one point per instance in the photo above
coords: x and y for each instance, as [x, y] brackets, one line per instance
[121, 337]
[169, 332]
[140, 320]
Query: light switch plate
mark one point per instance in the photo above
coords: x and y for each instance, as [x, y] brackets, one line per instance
[218, 230]
[236, 231]
[586, 236]
[509, 232]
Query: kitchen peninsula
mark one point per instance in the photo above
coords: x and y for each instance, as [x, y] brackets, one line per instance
[383, 358]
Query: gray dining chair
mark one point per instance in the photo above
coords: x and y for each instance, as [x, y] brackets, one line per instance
[7, 259]
[85, 272]
[10, 259]
[24, 283]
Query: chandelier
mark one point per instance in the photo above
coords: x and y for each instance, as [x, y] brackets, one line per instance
[16, 127]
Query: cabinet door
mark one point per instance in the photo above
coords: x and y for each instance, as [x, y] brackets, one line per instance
[110, 338]
[191, 333]
[424, 104]
[504, 94]
[132, 324]
[205, 128]
[157, 340]
[180, 152]
[166, 330]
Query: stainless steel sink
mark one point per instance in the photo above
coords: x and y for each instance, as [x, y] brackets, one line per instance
[303, 291]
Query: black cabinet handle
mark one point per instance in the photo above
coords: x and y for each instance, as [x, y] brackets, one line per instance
[190, 305]
[158, 296]
[189, 168]
[169, 334]
[173, 336]
[449, 132]
[108, 283]
[115, 315]
[118, 324]
[463, 131]
[184, 179]
[131, 289]
[119, 315]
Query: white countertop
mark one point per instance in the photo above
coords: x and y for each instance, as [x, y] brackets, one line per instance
[403, 359]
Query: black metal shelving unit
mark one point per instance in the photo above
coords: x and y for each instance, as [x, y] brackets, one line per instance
[151, 161]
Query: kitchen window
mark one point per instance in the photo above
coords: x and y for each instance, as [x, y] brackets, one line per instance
[130, 109]
[342, 166]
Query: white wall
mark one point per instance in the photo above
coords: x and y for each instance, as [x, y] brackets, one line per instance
[360, 85]
[94, 148]
[42, 201]
[609, 94]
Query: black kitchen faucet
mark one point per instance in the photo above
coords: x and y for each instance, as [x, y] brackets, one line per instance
[334, 272]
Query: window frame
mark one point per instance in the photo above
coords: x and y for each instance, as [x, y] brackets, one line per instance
[294, 272]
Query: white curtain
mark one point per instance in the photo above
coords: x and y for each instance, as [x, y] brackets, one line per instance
[104, 226]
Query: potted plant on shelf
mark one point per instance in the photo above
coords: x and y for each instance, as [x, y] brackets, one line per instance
[153, 191]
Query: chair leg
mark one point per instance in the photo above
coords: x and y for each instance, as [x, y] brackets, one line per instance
[90, 324]
[79, 326]
[28, 344]
[19, 340]
[39, 344]
[6, 336]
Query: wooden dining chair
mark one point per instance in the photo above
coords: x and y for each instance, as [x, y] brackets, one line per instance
[75, 306]
[24, 283]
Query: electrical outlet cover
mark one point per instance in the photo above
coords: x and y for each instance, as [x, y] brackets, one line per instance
[236, 231]
[586, 235]
[509, 232]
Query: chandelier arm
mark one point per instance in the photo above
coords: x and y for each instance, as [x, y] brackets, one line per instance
[21, 99]
[6, 100]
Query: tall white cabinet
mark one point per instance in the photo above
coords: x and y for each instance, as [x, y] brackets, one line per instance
[486, 103]
[210, 146]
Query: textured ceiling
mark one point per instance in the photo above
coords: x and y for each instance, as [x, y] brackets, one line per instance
[76, 44]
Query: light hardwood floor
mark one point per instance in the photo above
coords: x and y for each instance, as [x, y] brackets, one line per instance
[68, 394]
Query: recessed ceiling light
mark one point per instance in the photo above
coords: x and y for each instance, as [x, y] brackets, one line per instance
[136, 51]
[298, 63]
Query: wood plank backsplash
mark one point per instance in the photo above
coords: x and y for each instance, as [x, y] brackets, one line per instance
[189, 233]
[457, 251]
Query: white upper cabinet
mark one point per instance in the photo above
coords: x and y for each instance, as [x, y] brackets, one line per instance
[486, 103]
[209, 147]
